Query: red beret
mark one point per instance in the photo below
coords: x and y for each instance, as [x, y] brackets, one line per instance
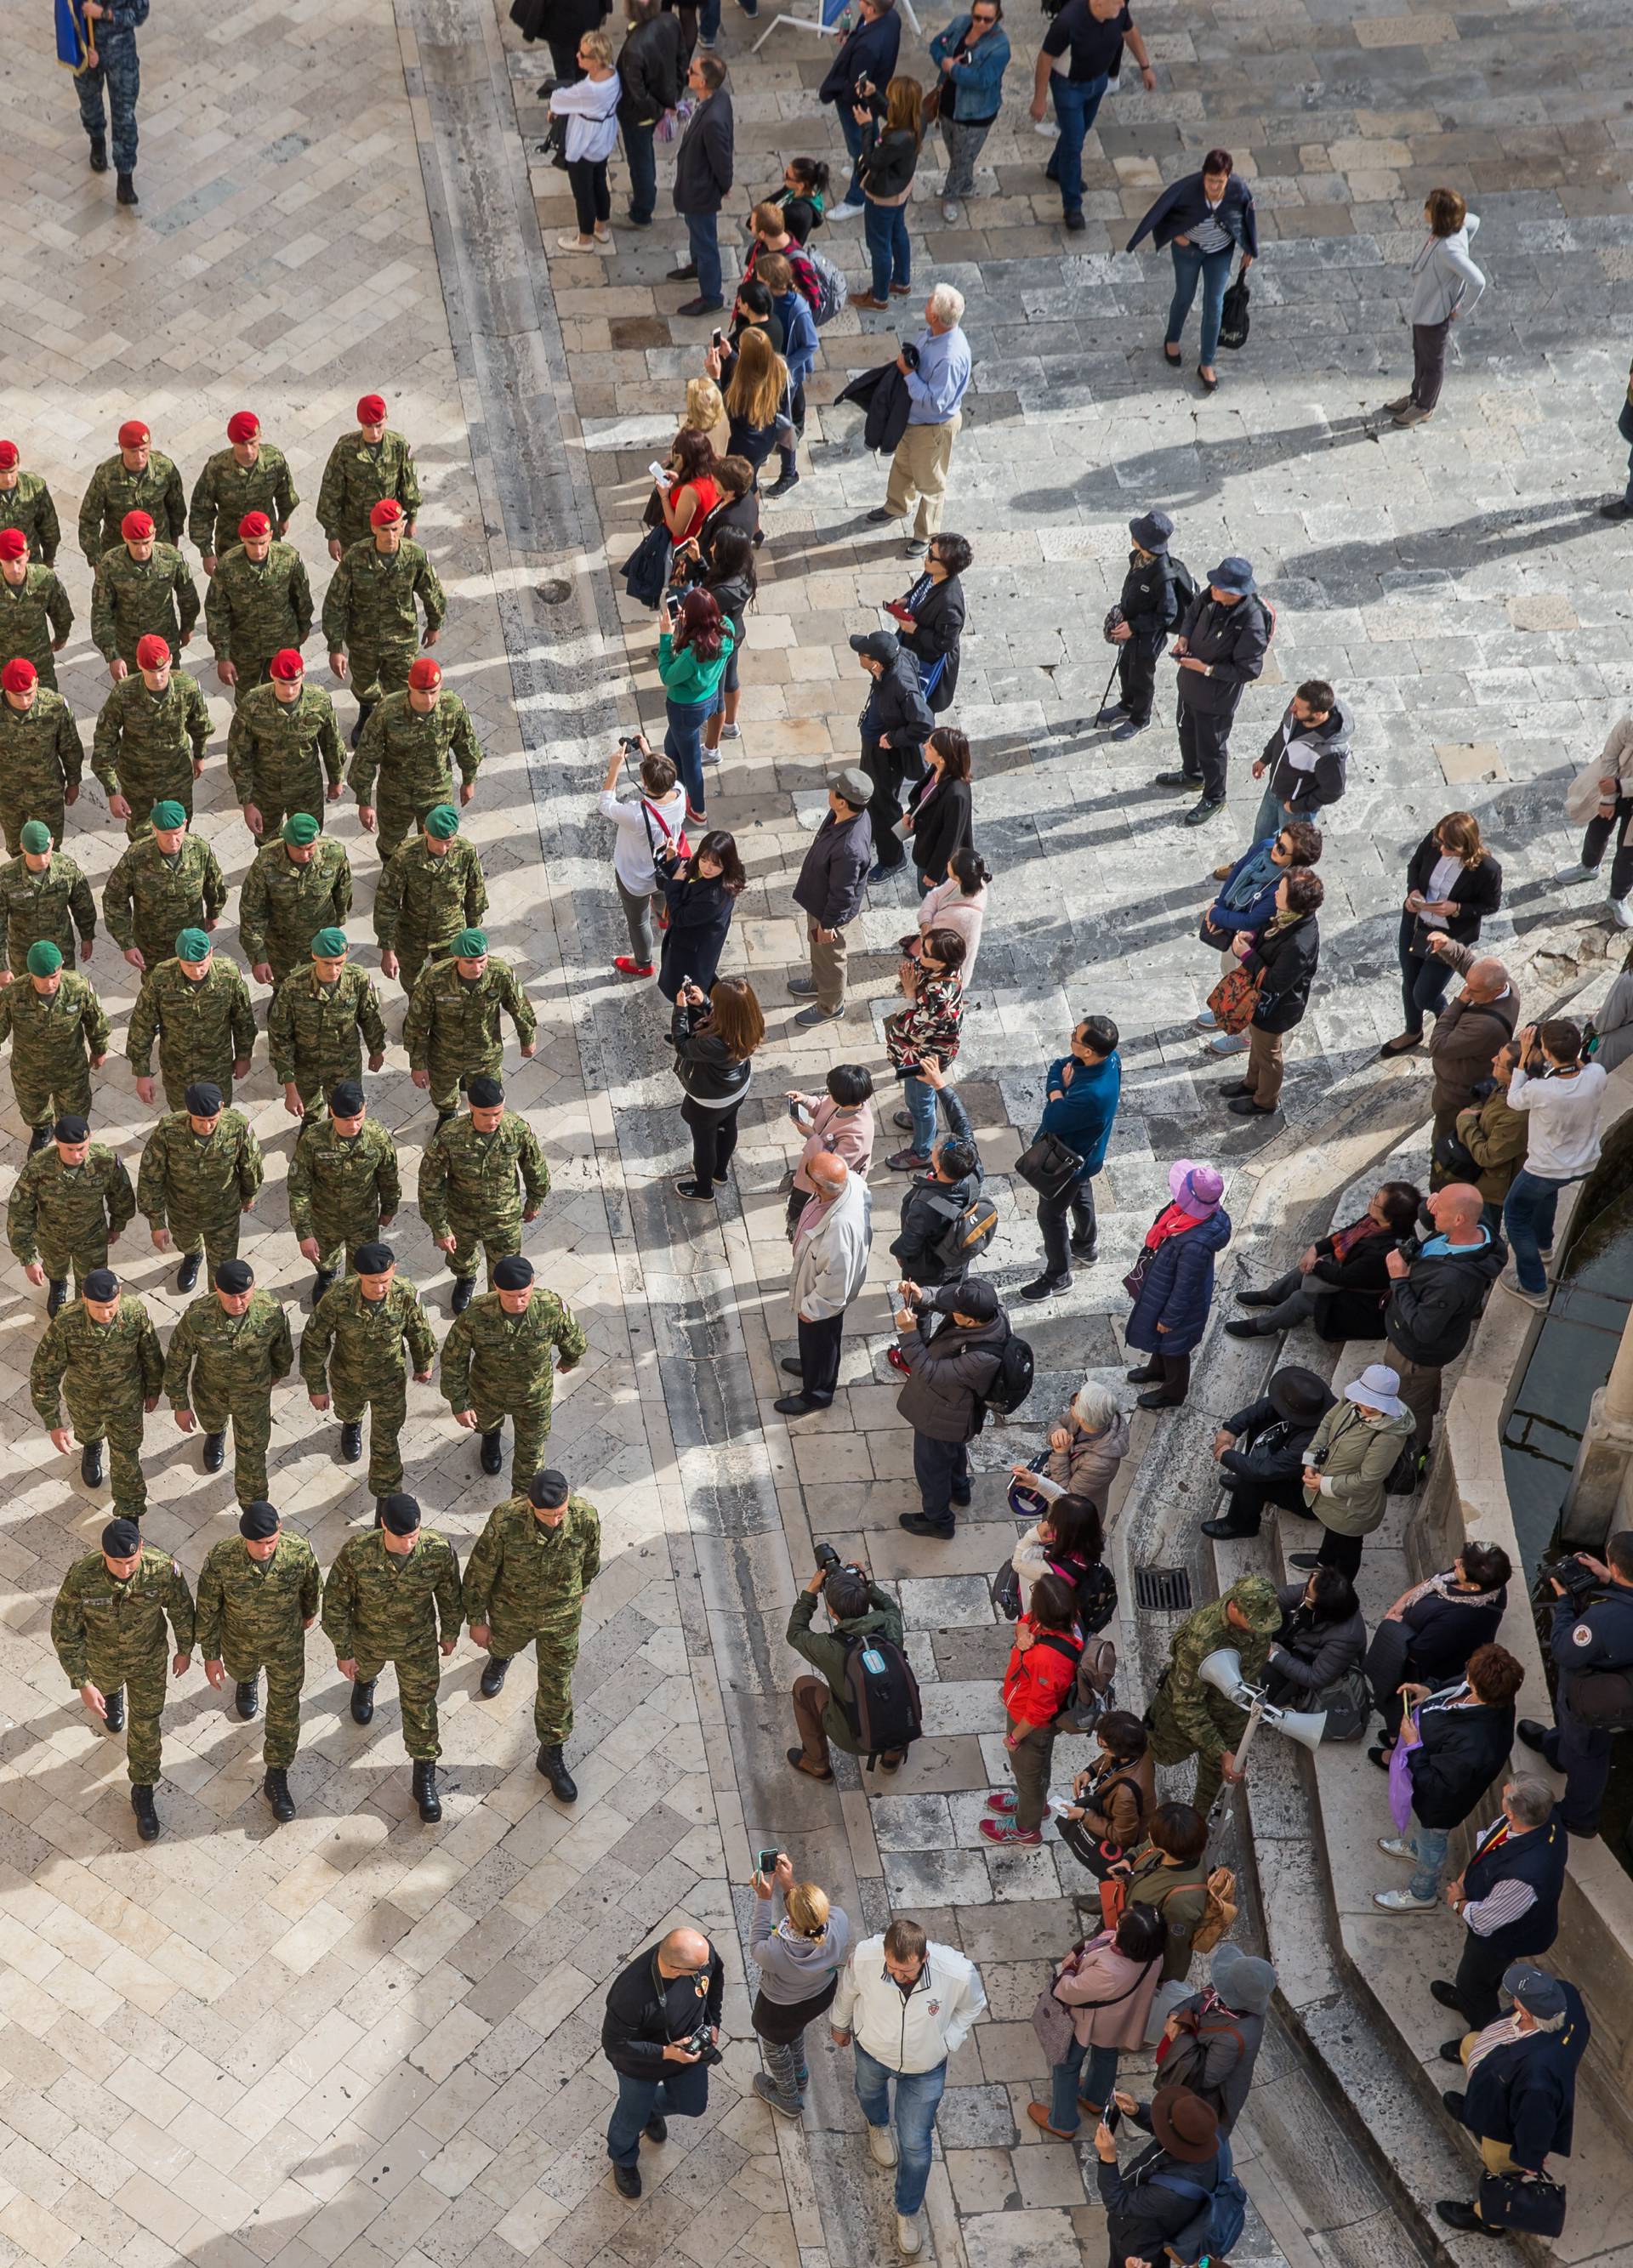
[372, 410]
[424, 674]
[386, 513]
[13, 543]
[151, 653]
[18, 675]
[243, 425]
[133, 433]
[9, 455]
[255, 525]
[287, 665]
[135, 527]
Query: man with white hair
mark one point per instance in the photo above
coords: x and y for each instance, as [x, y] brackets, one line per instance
[1468, 1031]
[936, 385]
[831, 1242]
[1507, 1898]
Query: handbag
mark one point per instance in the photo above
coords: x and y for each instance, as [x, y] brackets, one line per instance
[1049, 1166]
[1400, 1783]
[1234, 998]
[930, 108]
[1233, 315]
[1533, 2203]
[1133, 1282]
[1458, 1159]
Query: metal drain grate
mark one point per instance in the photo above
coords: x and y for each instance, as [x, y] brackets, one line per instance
[1166, 1590]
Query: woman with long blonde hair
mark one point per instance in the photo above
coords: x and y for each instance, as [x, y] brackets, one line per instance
[754, 392]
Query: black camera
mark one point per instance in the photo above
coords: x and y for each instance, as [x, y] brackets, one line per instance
[1573, 1577]
[1316, 1458]
[703, 2047]
[828, 1559]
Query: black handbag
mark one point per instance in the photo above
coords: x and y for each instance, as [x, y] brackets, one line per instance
[1049, 1166]
[1233, 316]
[1456, 1156]
[1533, 2203]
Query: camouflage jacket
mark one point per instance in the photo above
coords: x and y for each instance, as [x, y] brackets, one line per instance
[40, 752]
[461, 1022]
[260, 1604]
[141, 731]
[312, 1028]
[226, 491]
[357, 476]
[54, 1030]
[202, 1029]
[48, 906]
[278, 745]
[241, 1358]
[520, 1572]
[380, 1602]
[107, 1366]
[1202, 1713]
[428, 895]
[412, 756]
[98, 1619]
[161, 895]
[369, 1340]
[332, 1178]
[467, 1177]
[113, 490]
[206, 1179]
[29, 506]
[289, 903]
[253, 609]
[373, 597]
[71, 1203]
[134, 597]
[509, 1359]
[32, 614]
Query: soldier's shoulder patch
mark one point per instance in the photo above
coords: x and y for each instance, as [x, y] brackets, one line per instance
[1582, 1635]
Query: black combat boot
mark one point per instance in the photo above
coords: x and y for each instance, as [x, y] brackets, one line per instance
[215, 1451]
[320, 1283]
[493, 1675]
[91, 1464]
[40, 1136]
[187, 1275]
[551, 1764]
[56, 1291]
[351, 1442]
[426, 1793]
[99, 154]
[146, 1817]
[464, 1287]
[246, 1700]
[125, 194]
[362, 1700]
[115, 1718]
[494, 1450]
[274, 1787]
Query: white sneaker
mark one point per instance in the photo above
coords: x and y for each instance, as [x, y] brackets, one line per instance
[845, 211]
[909, 2236]
[951, 209]
[1394, 1847]
[881, 2143]
[731, 731]
[1228, 1044]
[1621, 911]
[1403, 1902]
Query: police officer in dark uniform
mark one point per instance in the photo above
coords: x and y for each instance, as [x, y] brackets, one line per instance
[1591, 1636]
[1149, 607]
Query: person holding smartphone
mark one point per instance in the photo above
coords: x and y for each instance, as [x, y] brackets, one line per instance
[1143, 2213]
[799, 1941]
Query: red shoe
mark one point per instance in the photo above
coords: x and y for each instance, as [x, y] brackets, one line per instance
[1000, 1832]
[1003, 1801]
[897, 1361]
[625, 967]
[663, 918]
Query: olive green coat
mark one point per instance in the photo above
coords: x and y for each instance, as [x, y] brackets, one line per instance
[423, 898]
[113, 490]
[226, 492]
[32, 614]
[282, 903]
[522, 1573]
[202, 1029]
[58, 1213]
[42, 756]
[134, 599]
[228, 1362]
[360, 475]
[365, 1343]
[53, 1035]
[313, 1028]
[191, 1182]
[149, 899]
[147, 743]
[340, 1190]
[495, 1362]
[278, 752]
[99, 1368]
[469, 1180]
[452, 1028]
[254, 608]
[373, 598]
[49, 906]
[29, 506]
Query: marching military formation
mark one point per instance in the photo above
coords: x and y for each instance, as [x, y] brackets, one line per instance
[125, 1625]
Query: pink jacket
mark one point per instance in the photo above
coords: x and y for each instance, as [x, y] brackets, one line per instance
[1102, 1973]
[848, 1134]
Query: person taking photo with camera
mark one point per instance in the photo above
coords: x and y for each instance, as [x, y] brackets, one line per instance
[661, 2033]
[860, 1612]
[1591, 1642]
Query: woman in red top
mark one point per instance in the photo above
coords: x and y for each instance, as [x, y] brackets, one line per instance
[692, 493]
[1039, 1682]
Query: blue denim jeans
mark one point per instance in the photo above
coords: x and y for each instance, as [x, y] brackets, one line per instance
[1075, 107]
[1272, 816]
[683, 744]
[643, 164]
[683, 2093]
[855, 143]
[702, 238]
[1528, 1223]
[920, 1099]
[889, 247]
[1098, 2076]
[709, 21]
[1429, 1843]
[1212, 269]
[916, 2094]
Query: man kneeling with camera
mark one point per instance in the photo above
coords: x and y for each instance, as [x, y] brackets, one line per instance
[826, 1708]
[1592, 1646]
[661, 2033]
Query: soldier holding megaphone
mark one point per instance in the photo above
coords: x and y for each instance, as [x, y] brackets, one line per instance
[1188, 1717]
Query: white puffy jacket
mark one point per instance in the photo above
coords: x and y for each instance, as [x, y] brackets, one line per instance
[907, 2031]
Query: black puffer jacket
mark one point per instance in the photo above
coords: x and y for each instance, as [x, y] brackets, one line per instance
[1433, 1309]
[1232, 640]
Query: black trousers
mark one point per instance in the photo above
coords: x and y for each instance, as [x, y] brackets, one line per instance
[1429, 361]
[1136, 677]
[819, 1357]
[587, 178]
[1599, 834]
[1077, 1200]
[1172, 1371]
[883, 767]
[1205, 747]
[942, 1469]
[1479, 1974]
[1246, 1500]
[713, 1138]
[1340, 1551]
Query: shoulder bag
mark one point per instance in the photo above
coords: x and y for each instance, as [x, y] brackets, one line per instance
[1234, 998]
[1533, 2203]
[1049, 1166]
[1052, 2020]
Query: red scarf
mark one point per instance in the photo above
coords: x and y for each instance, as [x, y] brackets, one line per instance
[1344, 1240]
[1171, 1221]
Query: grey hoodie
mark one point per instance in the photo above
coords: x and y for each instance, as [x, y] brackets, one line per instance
[793, 1968]
[1444, 279]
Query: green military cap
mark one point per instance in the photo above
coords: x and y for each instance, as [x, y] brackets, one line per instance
[169, 814]
[192, 945]
[36, 835]
[329, 945]
[44, 959]
[470, 944]
[1256, 1596]
[301, 827]
[443, 821]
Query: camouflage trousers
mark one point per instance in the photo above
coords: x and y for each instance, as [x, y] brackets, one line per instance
[57, 1259]
[1172, 1744]
[251, 669]
[15, 809]
[378, 668]
[252, 1430]
[450, 1078]
[558, 1643]
[338, 1239]
[216, 1238]
[397, 817]
[280, 799]
[121, 1429]
[385, 1403]
[498, 1242]
[413, 950]
[286, 1667]
[176, 1076]
[44, 1094]
[532, 1421]
[119, 70]
[417, 1689]
[142, 1679]
[170, 781]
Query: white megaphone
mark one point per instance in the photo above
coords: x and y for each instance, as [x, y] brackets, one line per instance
[1222, 1670]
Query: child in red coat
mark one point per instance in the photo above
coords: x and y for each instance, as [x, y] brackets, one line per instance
[1038, 1685]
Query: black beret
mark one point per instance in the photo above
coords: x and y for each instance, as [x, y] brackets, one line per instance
[100, 1283]
[71, 1129]
[345, 1098]
[485, 1091]
[234, 1275]
[257, 1522]
[513, 1273]
[122, 1539]
[401, 1514]
[373, 1259]
[548, 1490]
[203, 1098]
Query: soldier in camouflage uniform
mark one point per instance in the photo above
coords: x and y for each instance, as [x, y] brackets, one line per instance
[313, 1025]
[41, 755]
[409, 744]
[249, 475]
[26, 502]
[108, 1626]
[353, 1351]
[227, 1352]
[59, 1035]
[393, 1594]
[201, 1172]
[432, 887]
[143, 589]
[534, 1561]
[365, 468]
[44, 898]
[35, 617]
[101, 1357]
[343, 1183]
[282, 740]
[67, 1204]
[151, 738]
[467, 1192]
[498, 1361]
[452, 1028]
[1189, 1719]
[137, 479]
[165, 879]
[259, 603]
[371, 620]
[197, 1007]
[299, 884]
[258, 1593]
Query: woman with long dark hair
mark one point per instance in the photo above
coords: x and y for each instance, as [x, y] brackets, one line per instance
[731, 581]
[692, 492]
[692, 653]
[701, 894]
[714, 1037]
[938, 808]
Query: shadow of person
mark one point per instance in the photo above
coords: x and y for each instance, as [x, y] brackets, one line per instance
[1351, 573]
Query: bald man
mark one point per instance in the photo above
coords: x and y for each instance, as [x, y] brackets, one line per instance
[1467, 1033]
[1437, 1296]
[667, 1999]
[832, 1241]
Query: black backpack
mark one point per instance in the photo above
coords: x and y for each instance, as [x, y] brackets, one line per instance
[881, 1696]
[1184, 584]
[1014, 1380]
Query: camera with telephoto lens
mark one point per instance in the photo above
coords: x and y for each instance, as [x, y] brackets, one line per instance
[828, 1559]
[1573, 1577]
[703, 2047]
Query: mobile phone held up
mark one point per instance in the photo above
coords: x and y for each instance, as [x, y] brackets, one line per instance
[1112, 2117]
[765, 1861]
[719, 340]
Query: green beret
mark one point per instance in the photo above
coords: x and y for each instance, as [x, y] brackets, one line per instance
[443, 821]
[301, 827]
[1256, 1596]
[329, 945]
[44, 959]
[36, 835]
[169, 814]
[192, 945]
[471, 945]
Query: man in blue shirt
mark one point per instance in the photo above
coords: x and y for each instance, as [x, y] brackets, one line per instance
[935, 389]
[1081, 1092]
